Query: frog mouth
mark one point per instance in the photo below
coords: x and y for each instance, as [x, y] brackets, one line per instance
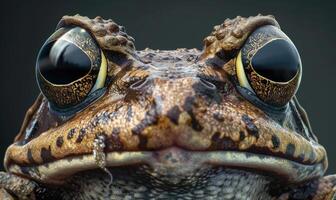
[174, 160]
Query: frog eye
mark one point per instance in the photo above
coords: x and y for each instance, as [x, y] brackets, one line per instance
[269, 65]
[69, 67]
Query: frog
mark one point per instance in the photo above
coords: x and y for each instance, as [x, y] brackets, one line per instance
[114, 122]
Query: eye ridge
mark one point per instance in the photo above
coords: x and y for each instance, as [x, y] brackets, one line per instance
[280, 71]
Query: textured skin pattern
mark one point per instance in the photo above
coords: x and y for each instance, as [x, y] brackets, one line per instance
[22, 188]
[4, 195]
[109, 34]
[164, 112]
[156, 99]
[144, 184]
[231, 35]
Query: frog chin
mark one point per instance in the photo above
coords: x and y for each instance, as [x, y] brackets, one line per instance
[174, 162]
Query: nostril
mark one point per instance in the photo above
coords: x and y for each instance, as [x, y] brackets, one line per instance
[139, 84]
[208, 84]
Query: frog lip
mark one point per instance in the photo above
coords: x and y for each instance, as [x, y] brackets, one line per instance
[172, 159]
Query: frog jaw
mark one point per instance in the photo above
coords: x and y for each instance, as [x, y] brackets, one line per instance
[264, 147]
[175, 161]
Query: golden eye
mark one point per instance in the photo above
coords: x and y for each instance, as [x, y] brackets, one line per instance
[70, 66]
[270, 66]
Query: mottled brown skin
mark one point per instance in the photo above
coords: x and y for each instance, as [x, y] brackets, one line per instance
[156, 100]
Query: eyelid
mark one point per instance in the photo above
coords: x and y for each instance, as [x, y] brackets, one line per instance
[102, 74]
[241, 73]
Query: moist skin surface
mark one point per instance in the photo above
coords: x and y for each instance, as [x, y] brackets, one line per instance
[167, 124]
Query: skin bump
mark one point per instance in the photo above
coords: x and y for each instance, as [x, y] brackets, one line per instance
[59, 141]
[218, 117]
[71, 134]
[173, 114]
[275, 141]
[220, 144]
[290, 150]
[46, 155]
[81, 135]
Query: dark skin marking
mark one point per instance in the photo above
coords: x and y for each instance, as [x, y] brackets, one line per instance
[215, 137]
[46, 155]
[218, 117]
[203, 88]
[223, 143]
[188, 106]
[215, 62]
[301, 157]
[275, 141]
[142, 142]
[24, 170]
[81, 135]
[174, 114]
[290, 149]
[225, 56]
[250, 126]
[137, 130]
[227, 143]
[59, 141]
[241, 135]
[113, 142]
[118, 58]
[151, 118]
[30, 156]
[71, 134]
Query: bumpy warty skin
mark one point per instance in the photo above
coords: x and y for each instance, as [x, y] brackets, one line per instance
[169, 124]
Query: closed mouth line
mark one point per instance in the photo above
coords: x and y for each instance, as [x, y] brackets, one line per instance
[288, 170]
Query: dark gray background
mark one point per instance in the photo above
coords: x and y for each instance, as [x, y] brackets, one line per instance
[168, 25]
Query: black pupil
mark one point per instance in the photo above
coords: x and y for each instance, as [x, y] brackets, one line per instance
[278, 61]
[62, 62]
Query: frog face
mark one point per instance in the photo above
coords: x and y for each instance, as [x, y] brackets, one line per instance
[105, 104]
